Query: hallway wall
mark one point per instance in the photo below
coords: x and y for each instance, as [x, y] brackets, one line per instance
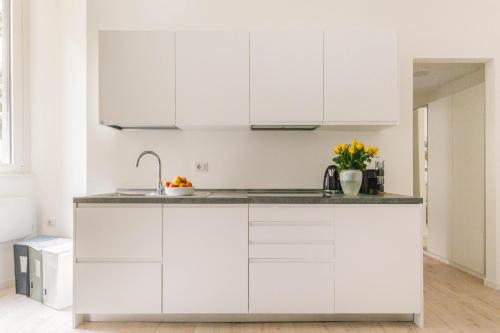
[456, 204]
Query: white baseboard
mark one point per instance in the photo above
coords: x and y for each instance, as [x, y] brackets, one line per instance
[492, 284]
[250, 317]
[468, 271]
[438, 258]
[6, 284]
[457, 266]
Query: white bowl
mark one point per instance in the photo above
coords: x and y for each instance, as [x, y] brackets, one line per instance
[179, 191]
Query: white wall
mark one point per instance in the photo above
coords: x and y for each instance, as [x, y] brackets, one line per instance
[456, 212]
[492, 160]
[284, 159]
[468, 209]
[456, 206]
[12, 186]
[57, 99]
[471, 80]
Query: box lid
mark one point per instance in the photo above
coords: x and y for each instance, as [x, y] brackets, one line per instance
[62, 247]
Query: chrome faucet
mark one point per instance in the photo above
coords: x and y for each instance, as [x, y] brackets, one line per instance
[159, 187]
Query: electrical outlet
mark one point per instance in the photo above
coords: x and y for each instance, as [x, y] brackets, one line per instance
[201, 166]
[51, 222]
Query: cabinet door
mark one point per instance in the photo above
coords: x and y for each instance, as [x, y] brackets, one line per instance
[291, 287]
[286, 77]
[206, 259]
[137, 78]
[118, 231]
[440, 188]
[361, 77]
[378, 259]
[212, 78]
[117, 287]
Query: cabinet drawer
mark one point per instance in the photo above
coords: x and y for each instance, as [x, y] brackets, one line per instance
[118, 288]
[291, 287]
[290, 213]
[290, 233]
[291, 251]
[118, 231]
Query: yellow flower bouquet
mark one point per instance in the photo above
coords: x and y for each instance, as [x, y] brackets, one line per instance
[354, 156]
[351, 160]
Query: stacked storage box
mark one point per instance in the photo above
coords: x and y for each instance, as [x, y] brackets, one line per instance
[40, 256]
[21, 263]
[57, 275]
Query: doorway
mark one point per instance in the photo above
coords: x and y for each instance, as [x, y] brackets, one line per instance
[449, 161]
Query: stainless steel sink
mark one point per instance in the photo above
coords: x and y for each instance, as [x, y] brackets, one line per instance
[151, 193]
[286, 193]
[131, 194]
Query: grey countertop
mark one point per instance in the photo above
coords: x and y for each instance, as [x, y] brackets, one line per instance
[219, 196]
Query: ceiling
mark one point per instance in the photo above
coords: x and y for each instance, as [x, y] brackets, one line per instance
[429, 76]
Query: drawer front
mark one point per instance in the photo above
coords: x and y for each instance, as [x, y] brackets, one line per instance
[291, 287]
[118, 288]
[281, 232]
[118, 231]
[290, 213]
[291, 251]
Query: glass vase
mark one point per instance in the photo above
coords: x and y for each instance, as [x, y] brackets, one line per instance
[350, 180]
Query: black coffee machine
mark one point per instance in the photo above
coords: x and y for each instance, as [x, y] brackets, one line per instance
[369, 184]
[331, 181]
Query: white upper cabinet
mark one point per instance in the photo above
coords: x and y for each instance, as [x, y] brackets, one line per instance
[212, 78]
[286, 77]
[361, 78]
[137, 78]
[234, 78]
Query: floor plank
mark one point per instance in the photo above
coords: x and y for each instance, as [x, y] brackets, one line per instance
[455, 302]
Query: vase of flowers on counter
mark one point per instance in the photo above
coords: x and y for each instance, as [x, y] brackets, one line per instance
[351, 160]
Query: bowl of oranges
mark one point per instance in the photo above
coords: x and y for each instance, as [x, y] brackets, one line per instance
[179, 186]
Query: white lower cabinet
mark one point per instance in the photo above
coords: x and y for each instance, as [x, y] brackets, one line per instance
[206, 259]
[291, 254]
[378, 259]
[291, 287]
[118, 231]
[118, 253]
[118, 287]
[248, 259]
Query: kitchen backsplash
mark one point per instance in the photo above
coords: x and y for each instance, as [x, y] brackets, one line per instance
[236, 159]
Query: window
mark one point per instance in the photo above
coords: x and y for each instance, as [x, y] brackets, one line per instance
[5, 84]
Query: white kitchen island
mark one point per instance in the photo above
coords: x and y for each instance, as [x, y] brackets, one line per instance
[241, 258]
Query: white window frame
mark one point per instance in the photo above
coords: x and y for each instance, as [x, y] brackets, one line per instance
[17, 121]
[6, 81]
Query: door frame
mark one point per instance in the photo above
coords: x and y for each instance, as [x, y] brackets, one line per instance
[492, 222]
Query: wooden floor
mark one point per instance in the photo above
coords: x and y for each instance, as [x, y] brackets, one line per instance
[454, 302]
